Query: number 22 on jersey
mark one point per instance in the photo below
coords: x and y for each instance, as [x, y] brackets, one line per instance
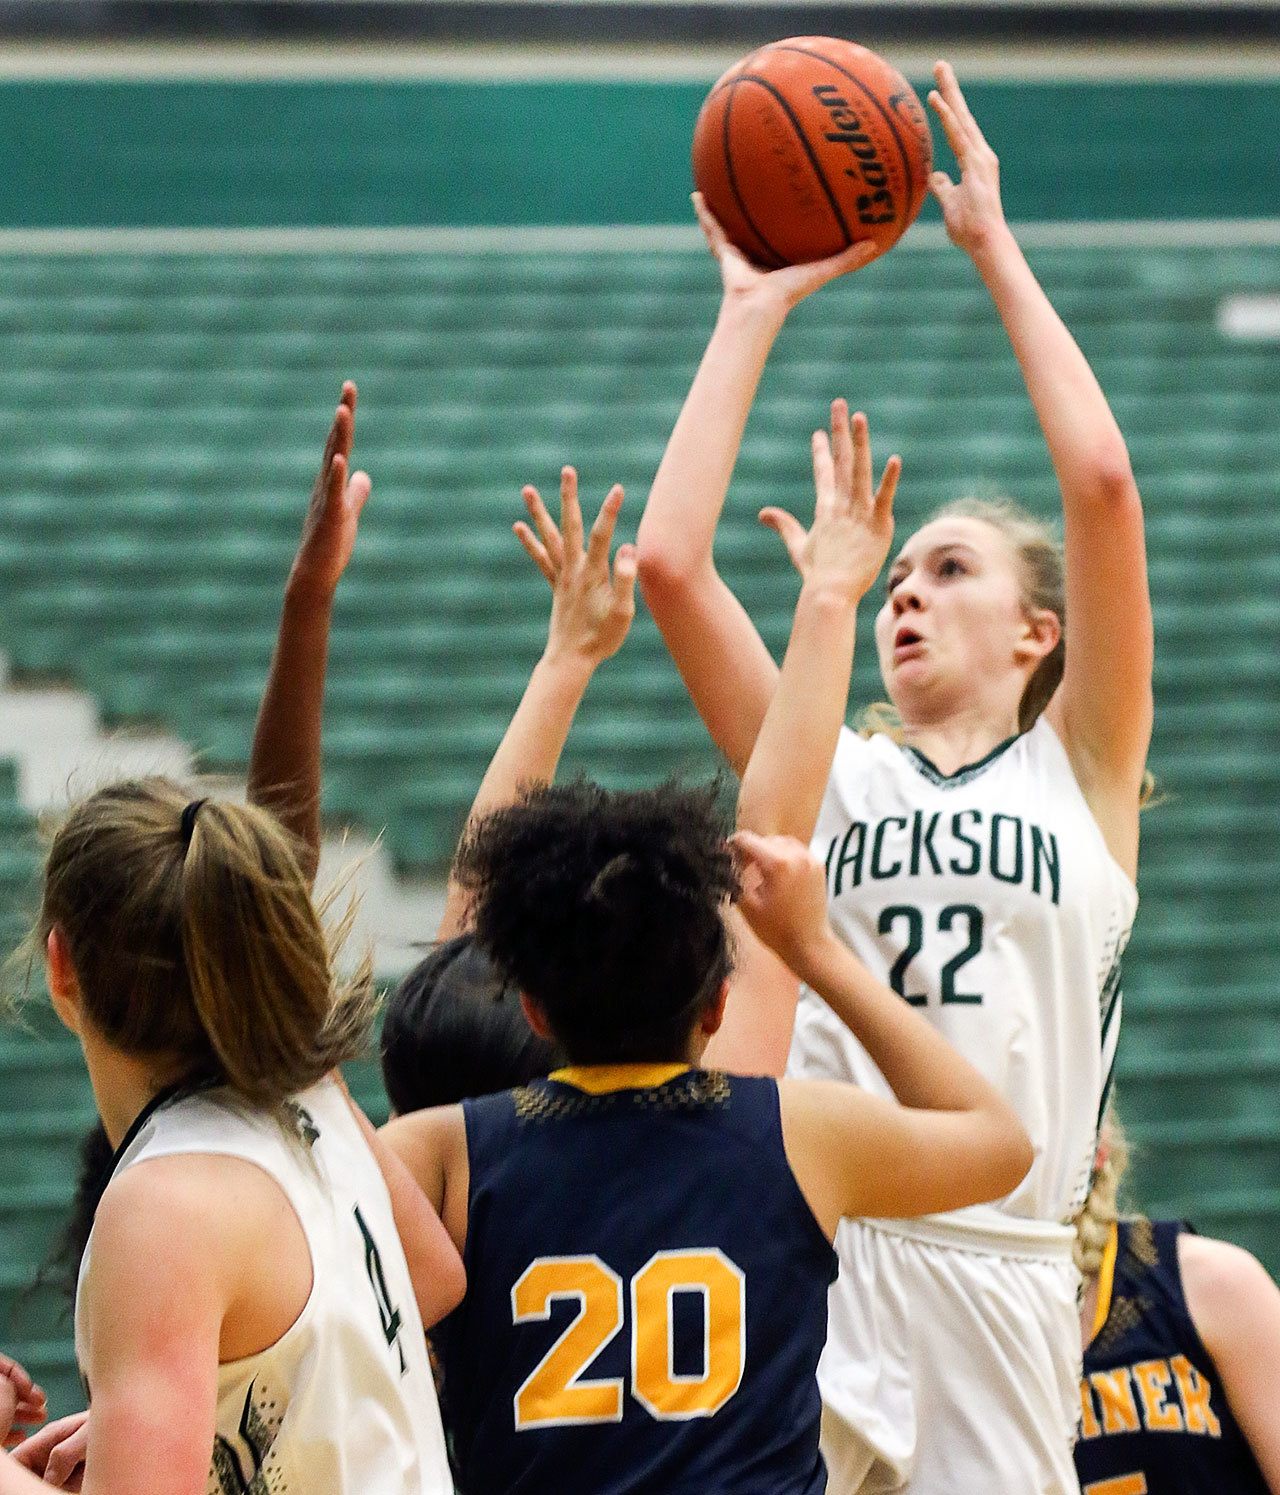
[556, 1393]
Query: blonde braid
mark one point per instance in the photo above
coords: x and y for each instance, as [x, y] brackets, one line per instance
[1100, 1210]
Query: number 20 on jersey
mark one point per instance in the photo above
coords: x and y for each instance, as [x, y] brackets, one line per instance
[557, 1394]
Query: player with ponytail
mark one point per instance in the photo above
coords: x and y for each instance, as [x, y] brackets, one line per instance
[1181, 1342]
[246, 1313]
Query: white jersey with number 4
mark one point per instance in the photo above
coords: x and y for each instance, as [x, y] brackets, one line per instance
[989, 900]
[344, 1403]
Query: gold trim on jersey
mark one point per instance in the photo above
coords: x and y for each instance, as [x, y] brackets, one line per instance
[1106, 1280]
[604, 1079]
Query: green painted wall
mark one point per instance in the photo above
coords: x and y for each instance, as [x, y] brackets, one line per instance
[364, 153]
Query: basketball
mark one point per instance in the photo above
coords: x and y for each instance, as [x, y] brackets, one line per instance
[809, 145]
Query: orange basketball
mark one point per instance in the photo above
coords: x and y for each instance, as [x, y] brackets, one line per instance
[807, 146]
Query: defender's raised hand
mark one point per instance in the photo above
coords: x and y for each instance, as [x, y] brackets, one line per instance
[971, 208]
[337, 497]
[852, 528]
[591, 608]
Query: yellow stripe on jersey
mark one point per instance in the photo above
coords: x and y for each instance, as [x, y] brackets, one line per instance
[1106, 1280]
[602, 1079]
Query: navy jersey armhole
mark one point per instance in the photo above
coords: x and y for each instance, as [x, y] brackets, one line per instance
[770, 1103]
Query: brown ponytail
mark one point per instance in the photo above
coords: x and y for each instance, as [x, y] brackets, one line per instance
[194, 939]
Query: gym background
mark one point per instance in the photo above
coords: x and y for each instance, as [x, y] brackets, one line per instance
[213, 213]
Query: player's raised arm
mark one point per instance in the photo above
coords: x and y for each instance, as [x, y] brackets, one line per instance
[1103, 710]
[591, 610]
[839, 559]
[284, 767]
[952, 1140]
[722, 659]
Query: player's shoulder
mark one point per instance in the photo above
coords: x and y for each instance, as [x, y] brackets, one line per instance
[181, 1207]
[1230, 1295]
[1220, 1273]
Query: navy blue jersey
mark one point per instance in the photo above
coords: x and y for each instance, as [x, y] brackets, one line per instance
[1154, 1417]
[646, 1292]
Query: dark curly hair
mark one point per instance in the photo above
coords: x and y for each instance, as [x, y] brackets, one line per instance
[606, 908]
[454, 1029]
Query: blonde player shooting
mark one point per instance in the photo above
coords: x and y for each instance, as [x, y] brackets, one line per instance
[983, 863]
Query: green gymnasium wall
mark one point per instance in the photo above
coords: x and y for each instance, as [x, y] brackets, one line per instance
[247, 154]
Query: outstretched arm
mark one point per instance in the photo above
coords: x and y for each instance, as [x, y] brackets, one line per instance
[1103, 710]
[284, 767]
[722, 659]
[950, 1140]
[839, 559]
[591, 611]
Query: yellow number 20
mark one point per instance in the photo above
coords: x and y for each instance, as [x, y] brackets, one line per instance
[556, 1395]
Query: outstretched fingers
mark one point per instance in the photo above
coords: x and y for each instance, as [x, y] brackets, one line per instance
[602, 530]
[842, 448]
[788, 529]
[552, 545]
[861, 458]
[625, 566]
[888, 487]
[570, 513]
[535, 550]
[824, 476]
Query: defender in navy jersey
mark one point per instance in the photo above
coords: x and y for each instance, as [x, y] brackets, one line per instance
[648, 1244]
[1155, 1416]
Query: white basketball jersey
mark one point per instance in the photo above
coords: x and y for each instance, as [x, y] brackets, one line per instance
[344, 1403]
[989, 900]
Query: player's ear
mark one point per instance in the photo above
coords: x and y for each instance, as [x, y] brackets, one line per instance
[64, 989]
[713, 1012]
[536, 1017]
[1041, 631]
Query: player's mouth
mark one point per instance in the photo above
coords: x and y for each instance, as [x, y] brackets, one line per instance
[907, 644]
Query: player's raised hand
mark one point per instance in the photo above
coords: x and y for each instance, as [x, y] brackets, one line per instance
[783, 895]
[337, 497]
[852, 528]
[592, 607]
[971, 208]
[56, 1454]
[22, 1402]
[783, 287]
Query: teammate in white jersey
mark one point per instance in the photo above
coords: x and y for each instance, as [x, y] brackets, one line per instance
[246, 1320]
[983, 862]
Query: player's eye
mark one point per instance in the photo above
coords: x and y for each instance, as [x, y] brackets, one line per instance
[951, 565]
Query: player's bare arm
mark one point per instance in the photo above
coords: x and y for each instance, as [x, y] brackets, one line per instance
[720, 655]
[432, 1145]
[1103, 709]
[158, 1293]
[592, 607]
[951, 1141]
[435, 1267]
[284, 767]
[1235, 1307]
[838, 559]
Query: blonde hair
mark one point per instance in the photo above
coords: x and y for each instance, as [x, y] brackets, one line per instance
[194, 938]
[1044, 587]
[1101, 1209]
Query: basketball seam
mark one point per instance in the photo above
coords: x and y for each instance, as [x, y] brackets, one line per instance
[733, 181]
[884, 113]
[807, 148]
